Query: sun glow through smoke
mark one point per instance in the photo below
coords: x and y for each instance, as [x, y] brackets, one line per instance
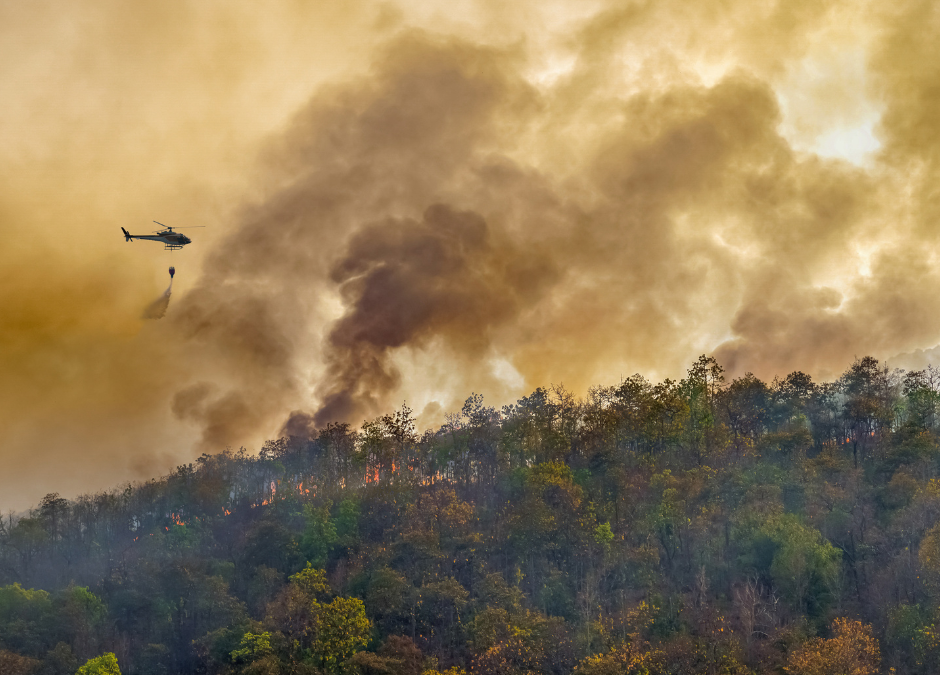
[416, 201]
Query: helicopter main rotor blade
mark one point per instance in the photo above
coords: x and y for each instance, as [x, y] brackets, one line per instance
[188, 227]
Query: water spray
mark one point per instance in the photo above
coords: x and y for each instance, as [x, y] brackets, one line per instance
[157, 309]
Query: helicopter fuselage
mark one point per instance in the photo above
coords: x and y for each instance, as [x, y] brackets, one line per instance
[171, 240]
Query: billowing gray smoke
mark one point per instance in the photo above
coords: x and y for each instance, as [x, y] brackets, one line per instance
[651, 180]
[443, 210]
[378, 180]
[406, 281]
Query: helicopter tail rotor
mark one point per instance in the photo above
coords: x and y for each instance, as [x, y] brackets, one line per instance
[127, 236]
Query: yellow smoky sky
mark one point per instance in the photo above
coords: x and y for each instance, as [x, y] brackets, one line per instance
[415, 201]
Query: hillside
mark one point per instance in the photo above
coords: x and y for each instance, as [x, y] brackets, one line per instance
[693, 526]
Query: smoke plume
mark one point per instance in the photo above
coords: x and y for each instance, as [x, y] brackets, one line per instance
[406, 281]
[441, 205]
[413, 202]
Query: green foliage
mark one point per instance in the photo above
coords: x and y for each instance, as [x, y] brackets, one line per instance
[342, 629]
[698, 526]
[319, 534]
[27, 619]
[310, 581]
[603, 536]
[82, 615]
[913, 635]
[387, 591]
[253, 646]
[495, 592]
[624, 660]
[106, 664]
[801, 562]
[294, 611]
[347, 522]
[60, 660]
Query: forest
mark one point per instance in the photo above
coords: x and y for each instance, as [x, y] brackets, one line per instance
[702, 526]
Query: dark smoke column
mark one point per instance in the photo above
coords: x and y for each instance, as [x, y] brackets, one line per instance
[406, 281]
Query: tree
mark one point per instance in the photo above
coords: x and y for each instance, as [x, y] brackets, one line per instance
[923, 399]
[513, 541]
[669, 409]
[868, 406]
[398, 656]
[852, 651]
[390, 598]
[548, 509]
[82, 613]
[929, 557]
[106, 664]
[319, 534]
[440, 604]
[253, 646]
[701, 388]
[26, 620]
[342, 629]
[802, 563]
[53, 509]
[626, 659]
[520, 642]
[58, 661]
[746, 403]
[293, 612]
[805, 562]
[15, 664]
[403, 655]
[347, 522]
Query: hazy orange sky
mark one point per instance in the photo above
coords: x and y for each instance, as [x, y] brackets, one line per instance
[414, 201]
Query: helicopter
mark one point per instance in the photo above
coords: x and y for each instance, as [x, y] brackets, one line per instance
[172, 240]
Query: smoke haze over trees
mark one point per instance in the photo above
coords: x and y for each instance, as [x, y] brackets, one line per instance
[705, 525]
[411, 201]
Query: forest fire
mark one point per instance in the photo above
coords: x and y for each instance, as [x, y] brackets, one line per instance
[684, 483]
[461, 205]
